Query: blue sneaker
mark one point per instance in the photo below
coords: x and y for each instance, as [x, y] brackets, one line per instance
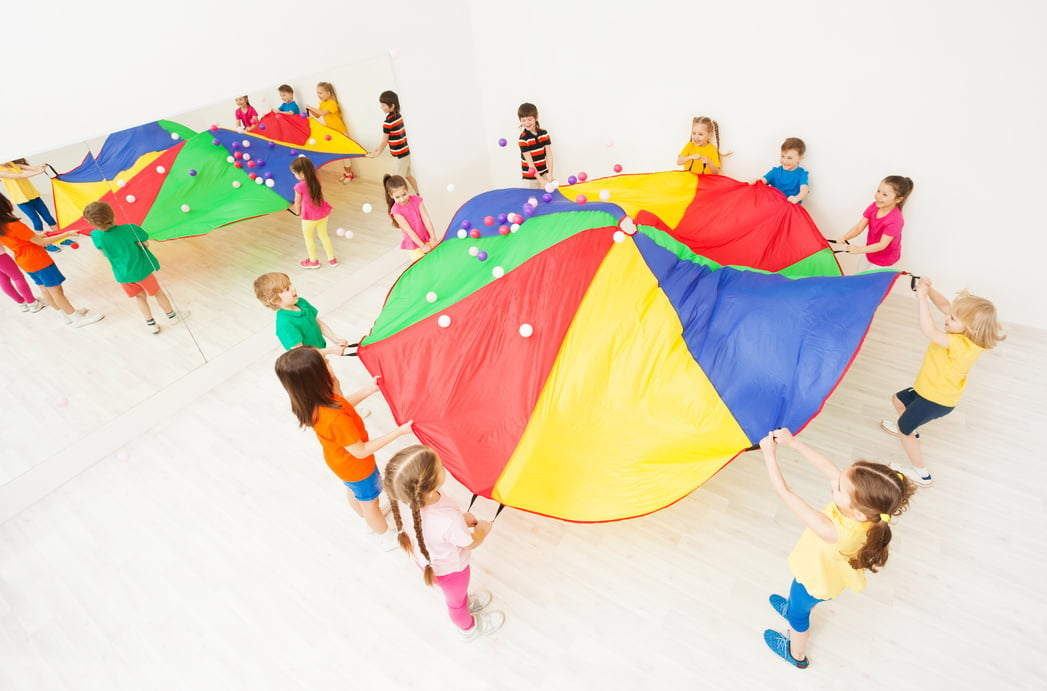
[779, 645]
[781, 606]
[53, 248]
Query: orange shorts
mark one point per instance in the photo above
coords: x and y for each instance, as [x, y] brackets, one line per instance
[148, 284]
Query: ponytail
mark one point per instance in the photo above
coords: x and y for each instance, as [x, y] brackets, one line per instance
[880, 493]
[392, 182]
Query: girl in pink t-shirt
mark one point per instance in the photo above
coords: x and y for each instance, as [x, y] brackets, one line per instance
[410, 216]
[439, 536]
[246, 115]
[884, 219]
[309, 203]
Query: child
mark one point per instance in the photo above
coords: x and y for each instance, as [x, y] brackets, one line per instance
[14, 175]
[849, 535]
[13, 282]
[884, 218]
[317, 401]
[288, 104]
[309, 203]
[30, 256]
[789, 178]
[246, 115]
[439, 536]
[970, 328]
[297, 323]
[394, 134]
[332, 117]
[536, 153]
[126, 247]
[699, 155]
[411, 217]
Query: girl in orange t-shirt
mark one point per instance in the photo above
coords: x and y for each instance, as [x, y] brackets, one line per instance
[318, 402]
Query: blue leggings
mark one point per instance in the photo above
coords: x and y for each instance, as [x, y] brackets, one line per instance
[798, 608]
[36, 210]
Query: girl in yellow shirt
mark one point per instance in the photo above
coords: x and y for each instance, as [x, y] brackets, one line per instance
[331, 114]
[851, 534]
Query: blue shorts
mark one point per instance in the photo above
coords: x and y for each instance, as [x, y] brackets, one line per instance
[918, 411]
[798, 608]
[49, 276]
[367, 489]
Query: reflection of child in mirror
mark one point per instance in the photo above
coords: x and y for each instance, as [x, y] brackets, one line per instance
[287, 104]
[297, 321]
[309, 203]
[394, 135]
[331, 113]
[246, 115]
[126, 246]
[15, 177]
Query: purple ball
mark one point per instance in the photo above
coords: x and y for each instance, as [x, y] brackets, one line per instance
[547, 197]
[272, 145]
[467, 224]
[481, 255]
[502, 218]
[268, 176]
[259, 162]
[293, 152]
[262, 126]
[192, 171]
[571, 180]
[216, 142]
[528, 211]
[236, 145]
[502, 142]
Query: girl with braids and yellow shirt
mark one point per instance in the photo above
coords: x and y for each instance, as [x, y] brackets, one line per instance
[846, 537]
[439, 536]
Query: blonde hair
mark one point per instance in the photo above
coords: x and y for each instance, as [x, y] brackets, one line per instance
[329, 88]
[268, 287]
[711, 125]
[979, 316]
[410, 476]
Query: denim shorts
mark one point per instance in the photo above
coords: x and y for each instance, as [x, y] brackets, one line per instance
[918, 411]
[367, 489]
[48, 277]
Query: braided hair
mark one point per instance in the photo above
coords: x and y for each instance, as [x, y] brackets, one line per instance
[411, 475]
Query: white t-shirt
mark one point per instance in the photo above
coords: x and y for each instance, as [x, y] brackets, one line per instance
[445, 534]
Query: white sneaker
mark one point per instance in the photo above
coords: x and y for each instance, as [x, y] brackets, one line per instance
[24, 307]
[153, 328]
[890, 427]
[179, 316]
[363, 411]
[36, 305]
[485, 623]
[83, 319]
[387, 541]
[914, 475]
[479, 600]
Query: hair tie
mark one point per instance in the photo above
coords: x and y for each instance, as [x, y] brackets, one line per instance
[885, 517]
[901, 477]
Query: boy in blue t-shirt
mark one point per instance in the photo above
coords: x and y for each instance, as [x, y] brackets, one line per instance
[288, 104]
[789, 178]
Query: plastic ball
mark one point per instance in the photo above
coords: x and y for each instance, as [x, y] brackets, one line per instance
[268, 176]
[514, 227]
[312, 142]
[185, 208]
[502, 218]
[503, 229]
[571, 179]
[213, 128]
[430, 296]
[259, 161]
[532, 170]
[463, 233]
[293, 152]
[75, 245]
[247, 157]
[270, 183]
[340, 232]
[262, 126]
[235, 145]
[467, 224]
[474, 233]
[367, 208]
[174, 135]
[450, 187]
[246, 143]
[583, 176]
[215, 142]
[528, 211]
[348, 235]
[327, 137]
[130, 199]
[581, 199]
[192, 172]
[259, 180]
[502, 142]
[526, 330]
[617, 167]
[605, 195]
[488, 220]
[161, 170]
[473, 251]
[547, 197]
[230, 159]
[443, 320]
[618, 236]
[238, 155]
[236, 184]
[238, 164]
[532, 201]
[497, 272]
[394, 54]
[481, 255]
[272, 145]
[250, 164]
[550, 187]
[120, 183]
[252, 175]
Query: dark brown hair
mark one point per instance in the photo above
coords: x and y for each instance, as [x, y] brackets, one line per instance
[390, 98]
[304, 167]
[902, 187]
[304, 374]
[411, 475]
[529, 110]
[878, 491]
[392, 182]
[7, 214]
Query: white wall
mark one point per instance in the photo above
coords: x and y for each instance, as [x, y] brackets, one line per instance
[947, 94]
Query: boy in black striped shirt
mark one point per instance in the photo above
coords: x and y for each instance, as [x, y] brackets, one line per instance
[395, 136]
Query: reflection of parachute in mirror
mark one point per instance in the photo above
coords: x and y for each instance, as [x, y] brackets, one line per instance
[652, 359]
[152, 172]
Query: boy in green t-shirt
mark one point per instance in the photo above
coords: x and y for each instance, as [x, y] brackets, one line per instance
[126, 247]
[297, 323]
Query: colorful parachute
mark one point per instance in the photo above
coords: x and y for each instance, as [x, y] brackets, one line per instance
[585, 373]
[175, 182]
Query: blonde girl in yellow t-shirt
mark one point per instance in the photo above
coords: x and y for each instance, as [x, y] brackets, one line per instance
[851, 534]
[699, 154]
[971, 327]
[331, 113]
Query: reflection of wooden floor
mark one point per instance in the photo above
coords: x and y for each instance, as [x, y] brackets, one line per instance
[209, 547]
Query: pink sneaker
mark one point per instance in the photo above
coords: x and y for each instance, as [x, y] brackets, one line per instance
[347, 178]
[309, 264]
[333, 262]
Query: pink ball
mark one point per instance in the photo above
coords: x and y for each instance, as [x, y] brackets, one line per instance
[532, 170]
[503, 230]
[617, 167]
[252, 175]
[583, 176]
[327, 137]
[488, 220]
[213, 128]
[250, 164]
[238, 164]
[238, 154]
[474, 233]
[581, 199]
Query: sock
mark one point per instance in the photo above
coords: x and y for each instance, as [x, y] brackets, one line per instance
[171, 314]
[150, 321]
[922, 472]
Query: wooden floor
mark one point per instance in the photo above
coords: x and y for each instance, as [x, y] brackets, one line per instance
[171, 528]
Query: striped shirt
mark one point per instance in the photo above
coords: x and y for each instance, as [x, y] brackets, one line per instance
[393, 127]
[533, 143]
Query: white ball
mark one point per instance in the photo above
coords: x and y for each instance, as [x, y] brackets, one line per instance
[247, 157]
[497, 272]
[236, 184]
[130, 199]
[367, 208]
[473, 251]
[120, 183]
[394, 53]
[462, 233]
[348, 235]
[259, 180]
[246, 143]
[185, 208]
[533, 202]
[526, 330]
[312, 142]
[514, 227]
[270, 183]
[161, 170]
[430, 296]
[450, 187]
[549, 187]
[443, 320]
[229, 159]
[605, 195]
[618, 236]
[174, 135]
[340, 232]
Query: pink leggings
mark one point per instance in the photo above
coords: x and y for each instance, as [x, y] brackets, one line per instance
[456, 593]
[13, 282]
